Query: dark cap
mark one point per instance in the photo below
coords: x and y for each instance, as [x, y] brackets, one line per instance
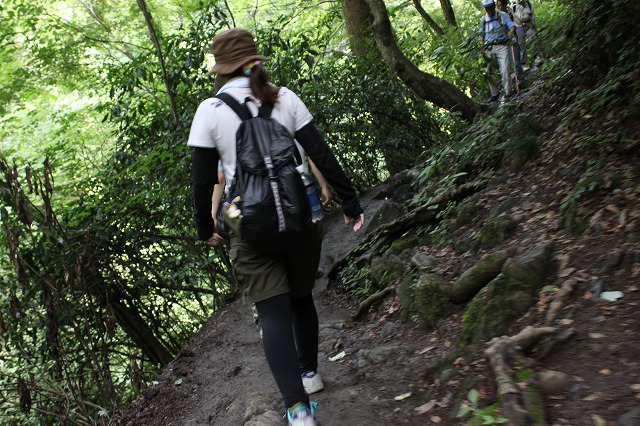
[232, 49]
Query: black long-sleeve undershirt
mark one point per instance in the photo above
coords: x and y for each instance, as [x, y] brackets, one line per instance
[317, 149]
[204, 172]
[204, 175]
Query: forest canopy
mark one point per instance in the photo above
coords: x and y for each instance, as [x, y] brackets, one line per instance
[103, 278]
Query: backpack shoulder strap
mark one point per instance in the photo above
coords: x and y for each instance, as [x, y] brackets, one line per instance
[240, 109]
[265, 110]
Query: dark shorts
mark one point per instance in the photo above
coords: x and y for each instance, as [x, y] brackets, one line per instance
[264, 275]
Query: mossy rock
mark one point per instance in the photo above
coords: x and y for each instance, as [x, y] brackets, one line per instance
[495, 231]
[406, 293]
[467, 211]
[406, 242]
[431, 299]
[478, 276]
[384, 270]
[507, 297]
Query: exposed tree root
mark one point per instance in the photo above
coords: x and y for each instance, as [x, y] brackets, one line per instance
[560, 298]
[426, 213]
[501, 353]
[370, 301]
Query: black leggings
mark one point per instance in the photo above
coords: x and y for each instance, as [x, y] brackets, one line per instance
[290, 341]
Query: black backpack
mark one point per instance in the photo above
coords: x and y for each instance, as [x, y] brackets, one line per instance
[275, 212]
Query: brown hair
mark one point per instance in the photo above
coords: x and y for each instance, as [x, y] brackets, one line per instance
[259, 84]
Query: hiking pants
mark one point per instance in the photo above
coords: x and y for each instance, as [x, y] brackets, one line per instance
[290, 341]
[500, 53]
[522, 32]
[514, 57]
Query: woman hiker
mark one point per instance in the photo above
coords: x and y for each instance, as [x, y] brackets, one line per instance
[279, 284]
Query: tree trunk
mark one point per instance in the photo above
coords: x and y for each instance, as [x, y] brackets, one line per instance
[429, 87]
[447, 10]
[138, 330]
[358, 20]
[433, 24]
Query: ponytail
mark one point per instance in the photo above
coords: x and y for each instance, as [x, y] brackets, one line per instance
[259, 84]
[258, 81]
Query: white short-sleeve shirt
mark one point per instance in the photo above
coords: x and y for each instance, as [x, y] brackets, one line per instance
[215, 123]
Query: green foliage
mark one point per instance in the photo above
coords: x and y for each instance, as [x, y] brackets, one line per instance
[594, 58]
[486, 416]
[103, 280]
[441, 233]
[500, 140]
[456, 56]
[356, 280]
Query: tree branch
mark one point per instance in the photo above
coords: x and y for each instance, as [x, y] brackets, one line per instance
[154, 38]
[433, 24]
[429, 87]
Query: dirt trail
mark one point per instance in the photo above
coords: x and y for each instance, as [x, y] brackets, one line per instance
[393, 372]
[221, 377]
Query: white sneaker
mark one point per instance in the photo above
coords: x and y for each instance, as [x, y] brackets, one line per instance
[302, 414]
[312, 382]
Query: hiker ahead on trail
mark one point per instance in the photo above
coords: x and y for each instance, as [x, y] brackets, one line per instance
[524, 18]
[495, 30]
[250, 126]
[514, 48]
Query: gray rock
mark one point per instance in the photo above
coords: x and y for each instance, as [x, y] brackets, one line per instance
[379, 354]
[387, 330]
[505, 206]
[389, 212]
[423, 261]
[630, 418]
[552, 382]
[467, 211]
[269, 418]
[446, 374]
[257, 407]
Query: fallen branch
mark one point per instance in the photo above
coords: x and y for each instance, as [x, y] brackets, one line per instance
[370, 301]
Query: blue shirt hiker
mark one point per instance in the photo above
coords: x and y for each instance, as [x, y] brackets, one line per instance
[494, 29]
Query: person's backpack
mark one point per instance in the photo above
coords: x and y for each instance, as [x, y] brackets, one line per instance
[497, 17]
[273, 204]
[522, 11]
